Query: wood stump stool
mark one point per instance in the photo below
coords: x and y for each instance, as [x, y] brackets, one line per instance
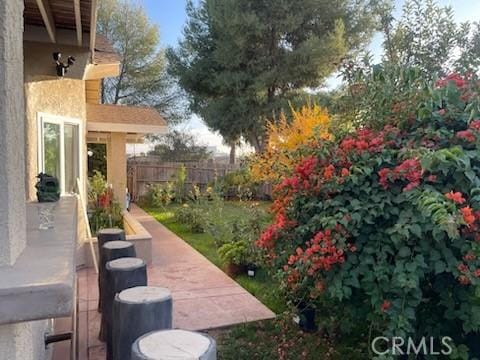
[122, 274]
[136, 312]
[174, 344]
[104, 236]
[112, 250]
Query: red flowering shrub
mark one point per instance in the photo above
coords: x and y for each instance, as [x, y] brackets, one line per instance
[383, 224]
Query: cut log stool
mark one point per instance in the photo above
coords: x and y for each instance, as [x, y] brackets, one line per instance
[112, 250]
[136, 312]
[174, 344]
[104, 236]
[123, 273]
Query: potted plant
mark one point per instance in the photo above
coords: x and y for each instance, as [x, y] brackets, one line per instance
[234, 256]
[306, 317]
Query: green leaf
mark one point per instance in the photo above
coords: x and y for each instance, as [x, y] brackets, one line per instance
[404, 252]
[416, 230]
[439, 267]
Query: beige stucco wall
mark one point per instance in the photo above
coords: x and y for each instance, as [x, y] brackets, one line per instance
[12, 196]
[45, 93]
[25, 341]
[117, 165]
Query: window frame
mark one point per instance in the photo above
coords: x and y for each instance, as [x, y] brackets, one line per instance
[43, 118]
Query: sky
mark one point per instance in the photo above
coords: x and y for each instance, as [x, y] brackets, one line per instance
[170, 16]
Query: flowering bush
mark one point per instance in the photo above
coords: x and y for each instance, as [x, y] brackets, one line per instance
[159, 195]
[103, 210]
[383, 224]
[308, 125]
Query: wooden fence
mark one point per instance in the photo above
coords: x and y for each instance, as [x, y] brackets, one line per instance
[141, 174]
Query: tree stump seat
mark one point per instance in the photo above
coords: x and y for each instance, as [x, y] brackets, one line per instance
[121, 274]
[104, 236]
[136, 312]
[174, 344]
[112, 250]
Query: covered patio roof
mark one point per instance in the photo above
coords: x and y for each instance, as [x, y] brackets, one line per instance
[72, 22]
[125, 119]
[77, 15]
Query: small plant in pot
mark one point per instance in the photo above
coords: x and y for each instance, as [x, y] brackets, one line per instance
[251, 269]
[234, 256]
[306, 317]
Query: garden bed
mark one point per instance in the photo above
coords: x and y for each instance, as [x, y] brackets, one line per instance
[135, 233]
[271, 339]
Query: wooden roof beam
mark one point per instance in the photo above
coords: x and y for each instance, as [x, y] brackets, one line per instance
[46, 11]
[93, 27]
[78, 22]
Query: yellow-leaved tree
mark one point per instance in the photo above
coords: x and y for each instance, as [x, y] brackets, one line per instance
[308, 125]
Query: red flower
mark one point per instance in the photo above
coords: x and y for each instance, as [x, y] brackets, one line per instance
[470, 256]
[362, 145]
[462, 279]
[329, 171]
[384, 175]
[347, 144]
[411, 185]
[475, 125]
[468, 215]
[345, 172]
[410, 170]
[462, 268]
[104, 201]
[456, 197]
[306, 167]
[477, 273]
[386, 305]
[466, 135]
[457, 80]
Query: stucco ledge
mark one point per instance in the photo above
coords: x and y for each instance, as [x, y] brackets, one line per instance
[41, 283]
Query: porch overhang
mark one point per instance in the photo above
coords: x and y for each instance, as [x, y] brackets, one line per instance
[79, 16]
[132, 120]
[105, 62]
[72, 23]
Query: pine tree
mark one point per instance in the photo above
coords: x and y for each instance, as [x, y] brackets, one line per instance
[243, 61]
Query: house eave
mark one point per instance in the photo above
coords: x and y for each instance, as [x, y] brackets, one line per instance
[133, 128]
[100, 71]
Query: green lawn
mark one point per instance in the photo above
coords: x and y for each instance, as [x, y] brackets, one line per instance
[281, 339]
[262, 286]
[265, 340]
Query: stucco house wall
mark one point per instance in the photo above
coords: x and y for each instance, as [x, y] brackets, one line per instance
[25, 341]
[46, 93]
[22, 341]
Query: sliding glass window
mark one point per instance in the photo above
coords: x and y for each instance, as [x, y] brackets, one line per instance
[59, 150]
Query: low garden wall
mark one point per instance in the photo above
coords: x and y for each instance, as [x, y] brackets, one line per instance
[136, 234]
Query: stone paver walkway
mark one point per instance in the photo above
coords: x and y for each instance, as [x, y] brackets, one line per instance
[204, 297]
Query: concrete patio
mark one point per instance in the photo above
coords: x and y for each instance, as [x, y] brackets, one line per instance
[204, 296]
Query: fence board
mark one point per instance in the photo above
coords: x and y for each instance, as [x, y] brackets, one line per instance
[142, 174]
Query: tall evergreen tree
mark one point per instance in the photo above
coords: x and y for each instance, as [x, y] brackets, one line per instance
[242, 61]
[143, 78]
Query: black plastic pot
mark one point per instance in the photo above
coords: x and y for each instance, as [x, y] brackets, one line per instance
[307, 314]
[251, 269]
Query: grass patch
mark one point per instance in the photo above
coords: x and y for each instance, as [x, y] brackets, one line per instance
[262, 286]
[265, 340]
[281, 339]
